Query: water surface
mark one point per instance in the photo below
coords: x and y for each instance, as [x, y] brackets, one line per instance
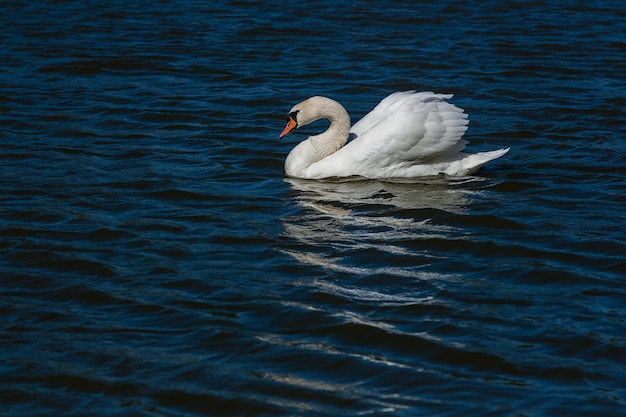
[154, 259]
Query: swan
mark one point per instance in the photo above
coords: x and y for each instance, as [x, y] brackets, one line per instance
[408, 134]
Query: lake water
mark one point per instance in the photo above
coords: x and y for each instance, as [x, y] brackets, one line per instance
[155, 260]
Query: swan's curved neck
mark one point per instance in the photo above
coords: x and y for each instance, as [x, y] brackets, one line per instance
[336, 136]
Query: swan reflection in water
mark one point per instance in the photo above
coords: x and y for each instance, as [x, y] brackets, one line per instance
[370, 227]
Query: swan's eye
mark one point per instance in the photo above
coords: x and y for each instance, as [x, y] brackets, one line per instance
[293, 116]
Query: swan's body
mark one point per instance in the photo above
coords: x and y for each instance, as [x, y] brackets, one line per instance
[407, 135]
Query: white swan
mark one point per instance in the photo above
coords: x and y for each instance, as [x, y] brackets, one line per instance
[407, 135]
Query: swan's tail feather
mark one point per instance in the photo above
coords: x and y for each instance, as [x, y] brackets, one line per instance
[473, 162]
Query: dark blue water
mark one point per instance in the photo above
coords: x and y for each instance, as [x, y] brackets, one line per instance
[154, 259]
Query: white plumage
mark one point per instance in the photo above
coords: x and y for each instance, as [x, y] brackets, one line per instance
[406, 135]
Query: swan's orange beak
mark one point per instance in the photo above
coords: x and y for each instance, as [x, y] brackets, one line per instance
[291, 125]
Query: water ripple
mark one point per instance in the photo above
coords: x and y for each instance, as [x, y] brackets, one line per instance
[154, 259]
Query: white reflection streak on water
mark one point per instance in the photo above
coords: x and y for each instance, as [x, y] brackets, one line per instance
[355, 215]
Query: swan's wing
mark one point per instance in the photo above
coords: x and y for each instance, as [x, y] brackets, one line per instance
[382, 110]
[409, 128]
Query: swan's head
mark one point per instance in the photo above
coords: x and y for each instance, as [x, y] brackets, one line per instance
[310, 110]
[292, 123]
